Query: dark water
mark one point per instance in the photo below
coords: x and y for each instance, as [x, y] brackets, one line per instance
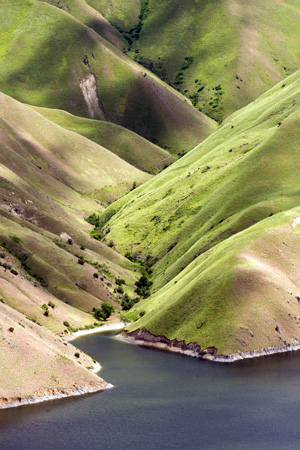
[167, 401]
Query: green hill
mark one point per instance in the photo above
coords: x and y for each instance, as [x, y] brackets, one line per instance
[50, 59]
[129, 146]
[222, 55]
[51, 179]
[215, 227]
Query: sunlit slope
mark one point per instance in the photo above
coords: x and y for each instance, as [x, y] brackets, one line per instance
[50, 180]
[50, 59]
[242, 295]
[242, 174]
[127, 145]
[119, 13]
[54, 159]
[90, 17]
[35, 363]
[220, 54]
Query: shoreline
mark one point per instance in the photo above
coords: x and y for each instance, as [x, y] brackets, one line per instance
[53, 394]
[238, 356]
[114, 326]
[48, 394]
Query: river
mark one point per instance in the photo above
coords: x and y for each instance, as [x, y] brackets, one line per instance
[166, 401]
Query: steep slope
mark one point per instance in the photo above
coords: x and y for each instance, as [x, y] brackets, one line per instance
[127, 145]
[204, 225]
[38, 366]
[50, 59]
[53, 273]
[51, 179]
[90, 17]
[222, 54]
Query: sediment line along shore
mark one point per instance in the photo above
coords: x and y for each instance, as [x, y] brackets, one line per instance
[45, 394]
[116, 326]
[145, 338]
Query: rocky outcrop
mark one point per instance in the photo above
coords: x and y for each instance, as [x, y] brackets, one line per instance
[45, 394]
[144, 337]
[89, 88]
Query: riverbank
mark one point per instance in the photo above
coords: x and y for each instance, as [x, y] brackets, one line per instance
[146, 339]
[44, 395]
[115, 326]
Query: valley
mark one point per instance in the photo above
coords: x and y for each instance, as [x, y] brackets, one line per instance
[149, 160]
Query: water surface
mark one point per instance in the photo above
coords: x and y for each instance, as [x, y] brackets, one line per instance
[167, 401]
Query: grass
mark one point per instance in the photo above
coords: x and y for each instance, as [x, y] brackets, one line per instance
[216, 203]
[49, 180]
[214, 227]
[44, 49]
[127, 145]
[231, 46]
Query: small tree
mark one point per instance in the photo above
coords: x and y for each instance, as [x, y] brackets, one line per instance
[105, 312]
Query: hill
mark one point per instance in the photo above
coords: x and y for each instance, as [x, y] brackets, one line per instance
[222, 55]
[37, 366]
[53, 270]
[129, 146]
[50, 59]
[216, 229]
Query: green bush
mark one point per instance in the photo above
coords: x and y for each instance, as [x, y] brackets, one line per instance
[105, 312]
[80, 260]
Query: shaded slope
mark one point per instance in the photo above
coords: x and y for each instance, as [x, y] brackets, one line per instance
[50, 59]
[90, 17]
[184, 218]
[220, 54]
[46, 155]
[127, 145]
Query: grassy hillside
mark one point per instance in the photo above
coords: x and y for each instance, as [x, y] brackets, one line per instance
[202, 222]
[50, 59]
[127, 145]
[92, 18]
[121, 14]
[222, 55]
[40, 364]
[51, 179]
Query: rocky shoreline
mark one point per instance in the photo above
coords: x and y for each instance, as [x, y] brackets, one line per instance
[45, 394]
[145, 338]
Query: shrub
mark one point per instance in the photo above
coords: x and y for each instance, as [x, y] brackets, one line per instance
[105, 312]
[96, 275]
[80, 260]
[66, 324]
[77, 355]
[129, 256]
[127, 302]
[11, 329]
[143, 286]
[15, 239]
[51, 304]
[14, 272]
